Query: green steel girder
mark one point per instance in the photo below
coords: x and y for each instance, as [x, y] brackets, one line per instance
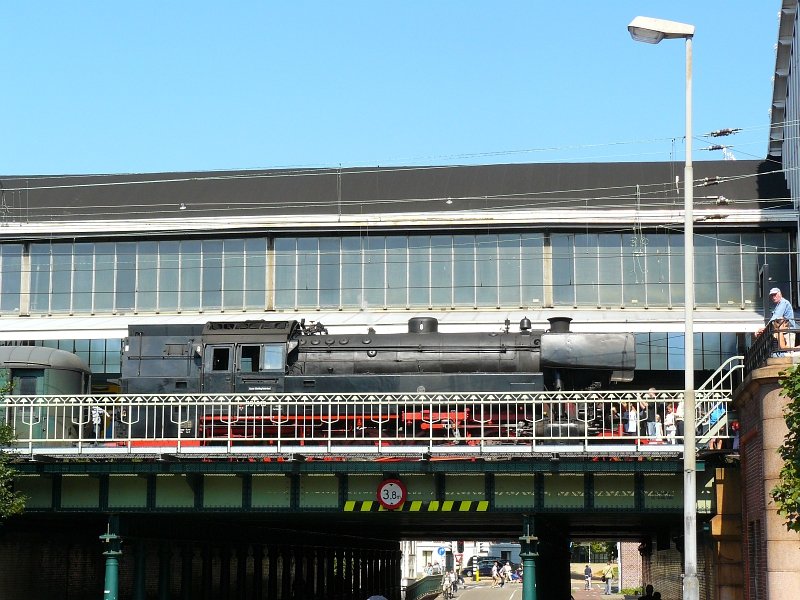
[260, 490]
[516, 465]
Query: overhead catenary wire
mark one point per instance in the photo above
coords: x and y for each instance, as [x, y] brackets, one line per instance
[168, 209]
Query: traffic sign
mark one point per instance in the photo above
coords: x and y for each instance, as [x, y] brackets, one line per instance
[441, 551]
[391, 493]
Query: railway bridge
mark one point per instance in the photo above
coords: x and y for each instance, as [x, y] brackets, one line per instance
[270, 497]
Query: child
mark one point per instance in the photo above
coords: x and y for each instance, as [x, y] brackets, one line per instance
[669, 424]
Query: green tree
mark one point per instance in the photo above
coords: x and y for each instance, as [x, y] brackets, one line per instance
[787, 493]
[11, 502]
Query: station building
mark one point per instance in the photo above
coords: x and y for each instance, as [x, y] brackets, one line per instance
[82, 257]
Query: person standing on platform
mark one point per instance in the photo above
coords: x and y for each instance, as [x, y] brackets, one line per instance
[670, 427]
[651, 413]
[783, 308]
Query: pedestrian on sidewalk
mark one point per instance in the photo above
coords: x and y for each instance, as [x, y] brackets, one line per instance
[587, 575]
[608, 576]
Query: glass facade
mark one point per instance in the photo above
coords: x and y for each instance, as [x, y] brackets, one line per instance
[442, 271]
[144, 276]
[505, 270]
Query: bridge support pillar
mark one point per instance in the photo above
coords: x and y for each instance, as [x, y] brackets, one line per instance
[528, 554]
[139, 572]
[356, 571]
[207, 573]
[323, 557]
[258, 571]
[164, 560]
[272, 576]
[286, 572]
[187, 554]
[225, 571]
[242, 555]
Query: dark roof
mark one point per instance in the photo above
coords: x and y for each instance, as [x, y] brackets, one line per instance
[378, 190]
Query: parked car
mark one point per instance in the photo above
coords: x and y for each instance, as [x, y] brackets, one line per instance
[484, 566]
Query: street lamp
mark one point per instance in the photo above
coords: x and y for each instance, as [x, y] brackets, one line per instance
[652, 31]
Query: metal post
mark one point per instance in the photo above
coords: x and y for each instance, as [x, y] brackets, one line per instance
[528, 546]
[691, 587]
[112, 554]
[652, 31]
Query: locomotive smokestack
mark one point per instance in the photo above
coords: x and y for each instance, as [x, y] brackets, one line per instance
[423, 325]
[559, 324]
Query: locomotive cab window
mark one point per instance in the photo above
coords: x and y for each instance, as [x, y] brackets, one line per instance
[273, 357]
[249, 361]
[221, 359]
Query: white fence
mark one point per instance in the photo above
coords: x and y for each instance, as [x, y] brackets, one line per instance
[372, 425]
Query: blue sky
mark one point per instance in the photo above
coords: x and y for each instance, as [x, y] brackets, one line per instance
[119, 87]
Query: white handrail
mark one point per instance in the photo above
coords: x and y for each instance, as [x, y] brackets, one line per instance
[520, 423]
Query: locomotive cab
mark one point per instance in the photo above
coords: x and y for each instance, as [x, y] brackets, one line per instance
[244, 368]
[248, 357]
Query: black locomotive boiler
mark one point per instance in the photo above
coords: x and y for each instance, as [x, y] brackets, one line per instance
[269, 358]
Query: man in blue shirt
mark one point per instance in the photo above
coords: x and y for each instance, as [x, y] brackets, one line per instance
[783, 309]
[782, 319]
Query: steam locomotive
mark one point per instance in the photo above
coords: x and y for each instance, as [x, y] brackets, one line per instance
[291, 357]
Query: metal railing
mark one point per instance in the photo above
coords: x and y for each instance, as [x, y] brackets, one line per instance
[374, 425]
[771, 342]
[712, 401]
[426, 588]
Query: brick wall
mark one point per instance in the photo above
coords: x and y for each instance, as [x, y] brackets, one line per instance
[753, 501]
[631, 562]
[43, 566]
[663, 569]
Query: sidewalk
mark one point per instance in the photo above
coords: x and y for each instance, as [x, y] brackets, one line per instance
[595, 593]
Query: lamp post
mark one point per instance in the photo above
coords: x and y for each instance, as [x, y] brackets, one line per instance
[652, 31]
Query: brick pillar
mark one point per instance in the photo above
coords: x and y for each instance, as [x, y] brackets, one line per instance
[726, 535]
[771, 553]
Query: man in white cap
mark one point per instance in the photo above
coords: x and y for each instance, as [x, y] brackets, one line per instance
[783, 309]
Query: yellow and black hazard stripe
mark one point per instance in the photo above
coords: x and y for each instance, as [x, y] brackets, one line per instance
[419, 506]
